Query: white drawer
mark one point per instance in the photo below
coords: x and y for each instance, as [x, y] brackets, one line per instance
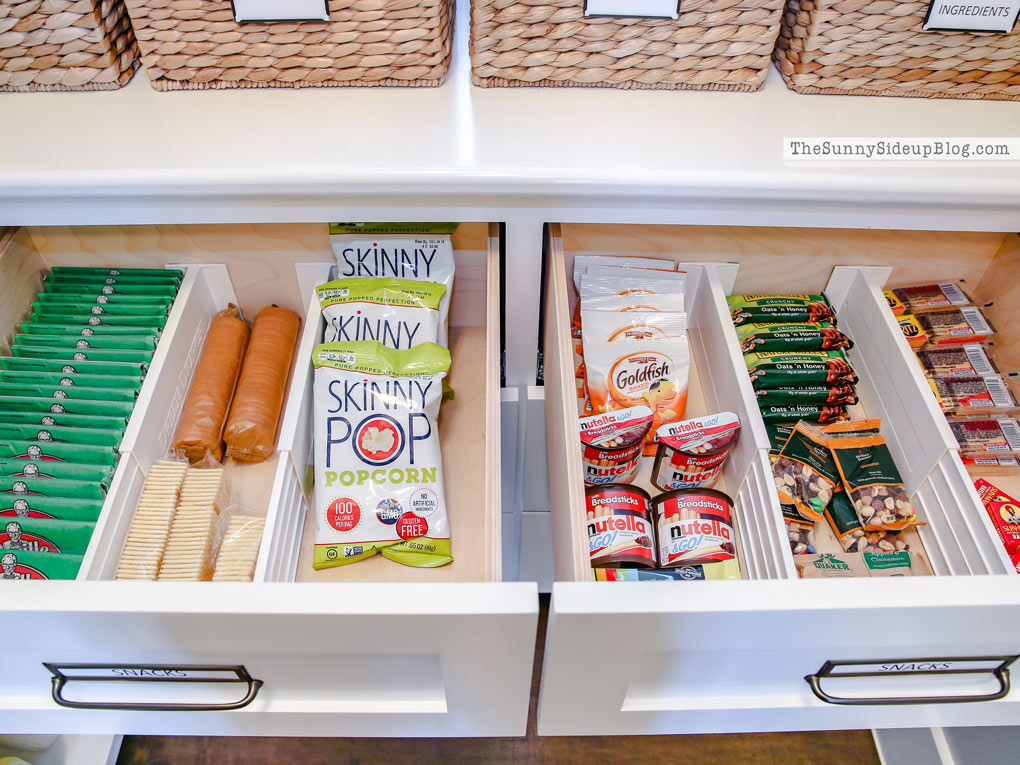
[733, 656]
[374, 649]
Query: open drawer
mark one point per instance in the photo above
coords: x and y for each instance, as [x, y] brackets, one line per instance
[372, 649]
[761, 654]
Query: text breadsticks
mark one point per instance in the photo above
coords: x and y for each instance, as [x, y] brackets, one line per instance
[250, 433]
[205, 409]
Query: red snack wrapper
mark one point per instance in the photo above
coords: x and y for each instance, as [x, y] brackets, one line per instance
[1005, 514]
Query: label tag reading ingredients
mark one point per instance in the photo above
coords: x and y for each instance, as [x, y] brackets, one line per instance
[971, 15]
[658, 9]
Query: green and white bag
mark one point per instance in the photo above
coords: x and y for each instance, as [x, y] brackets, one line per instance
[399, 313]
[378, 468]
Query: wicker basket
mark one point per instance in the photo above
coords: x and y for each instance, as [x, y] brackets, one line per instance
[877, 48]
[193, 44]
[65, 45]
[714, 45]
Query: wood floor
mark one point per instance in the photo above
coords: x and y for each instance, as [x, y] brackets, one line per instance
[826, 748]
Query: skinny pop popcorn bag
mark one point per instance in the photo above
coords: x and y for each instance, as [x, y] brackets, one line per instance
[378, 468]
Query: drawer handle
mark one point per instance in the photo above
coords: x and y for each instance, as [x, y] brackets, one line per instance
[63, 674]
[997, 666]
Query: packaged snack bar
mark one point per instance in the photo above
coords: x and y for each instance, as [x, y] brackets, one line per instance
[1004, 512]
[87, 330]
[378, 468]
[200, 430]
[90, 288]
[156, 273]
[913, 331]
[653, 373]
[744, 302]
[873, 483]
[57, 434]
[67, 392]
[970, 360]
[808, 412]
[773, 369]
[791, 337]
[895, 303]
[612, 443]
[973, 394]
[832, 566]
[10, 468]
[47, 451]
[45, 535]
[74, 276]
[66, 405]
[48, 419]
[59, 310]
[59, 508]
[845, 524]
[87, 319]
[54, 380]
[23, 564]
[122, 342]
[424, 258]
[134, 371]
[844, 395]
[51, 487]
[250, 432]
[992, 436]
[928, 296]
[101, 299]
[399, 313]
[955, 325]
[74, 355]
[809, 311]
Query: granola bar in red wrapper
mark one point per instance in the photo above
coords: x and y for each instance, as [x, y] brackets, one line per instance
[1005, 514]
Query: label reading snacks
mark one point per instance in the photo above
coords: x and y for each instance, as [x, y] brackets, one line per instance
[972, 15]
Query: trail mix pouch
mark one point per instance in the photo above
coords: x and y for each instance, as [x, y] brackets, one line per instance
[45, 535]
[820, 336]
[845, 524]
[48, 451]
[773, 369]
[421, 257]
[25, 564]
[11, 468]
[399, 313]
[133, 370]
[843, 395]
[873, 483]
[51, 487]
[378, 468]
[59, 508]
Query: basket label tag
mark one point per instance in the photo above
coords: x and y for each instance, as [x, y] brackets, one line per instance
[972, 15]
[655, 9]
[274, 10]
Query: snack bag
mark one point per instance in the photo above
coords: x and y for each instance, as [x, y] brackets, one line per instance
[134, 371]
[56, 380]
[74, 355]
[804, 473]
[1004, 512]
[35, 486]
[820, 336]
[74, 471]
[46, 451]
[845, 524]
[423, 258]
[378, 468]
[28, 564]
[583, 262]
[873, 483]
[67, 391]
[59, 508]
[652, 373]
[45, 535]
[604, 326]
[773, 369]
[65, 420]
[399, 313]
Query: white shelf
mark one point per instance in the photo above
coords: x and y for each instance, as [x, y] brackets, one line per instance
[137, 155]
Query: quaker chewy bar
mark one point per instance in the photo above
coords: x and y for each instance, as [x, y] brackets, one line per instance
[791, 337]
[81, 354]
[45, 535]
[88, 330]
[57, 380]
[61, 508]
[25, 564]
[66, 391]
[57, 434]
[85, 308]
[794, 412]
[123, 342]
[65, 420]
[808, 394]
[134, 370]
[771, 369]
[66, 405]
[48, 451]
[72, 471]
[51, 487]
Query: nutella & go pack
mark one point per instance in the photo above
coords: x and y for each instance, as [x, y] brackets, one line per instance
[611, 444]
[1004, 511]
[694, 526]
[691, 453]
[619, 526]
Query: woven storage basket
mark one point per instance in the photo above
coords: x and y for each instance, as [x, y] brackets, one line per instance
[191, 44]
[65, 45]
[877, 48]
[714, 45]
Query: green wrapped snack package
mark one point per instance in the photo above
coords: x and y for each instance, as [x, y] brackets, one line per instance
[124, 278]
[70, 288]
[74, 355]
[85, 319]
[101, 299]
[122, 342]
[57, 434]
[773, 369]
[65, 420]
[745, 302]
[793, 412]
[782, 314]
[24, 564]
[66, 405]
[132, 370]
[808, 394]
[88, 330]
[83, 308]
[62, 508]
[45, 535]
[791, 337]
[57, 380]
[48, 451]
[157, 273]
[51, 487]
[72, 471]
[67, 392]
[778, 436]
